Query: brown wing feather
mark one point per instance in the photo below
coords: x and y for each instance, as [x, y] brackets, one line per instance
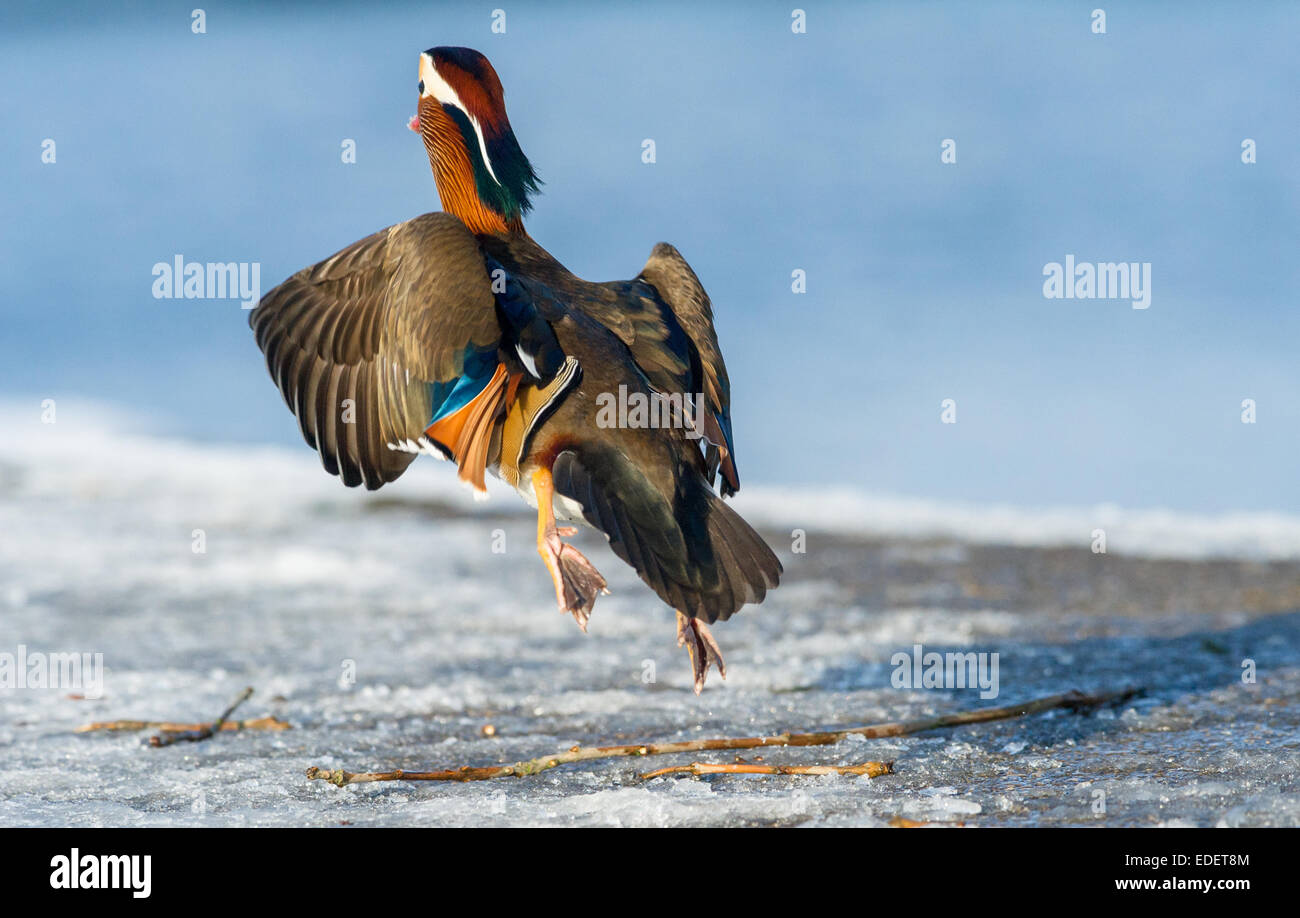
[668, 272]
[368, 329]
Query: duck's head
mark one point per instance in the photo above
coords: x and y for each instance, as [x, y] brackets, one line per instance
[483, 176]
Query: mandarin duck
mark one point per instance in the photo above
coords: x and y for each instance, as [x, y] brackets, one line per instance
[456, 335]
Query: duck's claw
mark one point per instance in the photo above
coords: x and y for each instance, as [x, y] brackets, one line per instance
[704, 650]
[577, 582]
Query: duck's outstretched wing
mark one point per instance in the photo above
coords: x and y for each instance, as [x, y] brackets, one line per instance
[678, 287]
[366, 345]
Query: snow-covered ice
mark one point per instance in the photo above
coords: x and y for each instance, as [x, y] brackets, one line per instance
[302, 581]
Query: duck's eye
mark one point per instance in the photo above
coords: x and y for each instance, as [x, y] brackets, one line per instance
[422, 87]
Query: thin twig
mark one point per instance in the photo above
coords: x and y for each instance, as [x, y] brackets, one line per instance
[170, 732]
[902, 822]
[169, 726]
[870, 769]
[204, 732]
[207, 730]
[189, 733]
[1075, 701]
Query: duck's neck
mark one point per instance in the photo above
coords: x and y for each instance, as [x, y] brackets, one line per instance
[453, 172]
[459, 198]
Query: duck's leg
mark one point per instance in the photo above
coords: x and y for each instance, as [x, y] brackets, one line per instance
[577, 583]
[704, 650]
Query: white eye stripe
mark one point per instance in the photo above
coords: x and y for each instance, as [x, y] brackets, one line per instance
[440, 89]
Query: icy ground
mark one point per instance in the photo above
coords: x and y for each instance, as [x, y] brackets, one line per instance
[302, 580]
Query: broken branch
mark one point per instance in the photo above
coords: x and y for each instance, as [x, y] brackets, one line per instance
[1074, 701]
[204, 732]
[170, 732]
[870, 769]
[168, 726]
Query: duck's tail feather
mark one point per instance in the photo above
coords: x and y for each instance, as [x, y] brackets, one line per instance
[692, 549]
